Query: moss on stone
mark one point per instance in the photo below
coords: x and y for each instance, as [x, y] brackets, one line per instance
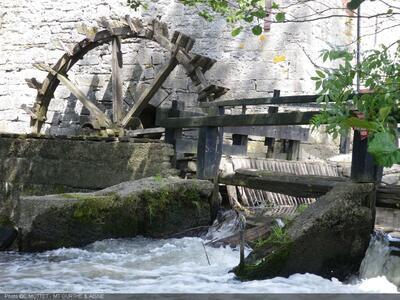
[5, 221]
[92, 208]
[278, 245]
[270, 264]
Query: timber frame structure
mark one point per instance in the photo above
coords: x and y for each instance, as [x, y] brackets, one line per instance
[179, 46]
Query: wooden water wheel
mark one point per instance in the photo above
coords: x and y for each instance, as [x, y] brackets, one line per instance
[179, 46]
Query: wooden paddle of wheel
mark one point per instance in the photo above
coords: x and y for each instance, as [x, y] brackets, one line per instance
[179, 46]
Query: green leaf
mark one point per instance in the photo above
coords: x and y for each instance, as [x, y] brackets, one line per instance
[280, 17]
[236, 31]
[275, 5]
[257, 30]
[384, 112]
[320, 74]
[358, 123]
[354, 4]
[382, 146]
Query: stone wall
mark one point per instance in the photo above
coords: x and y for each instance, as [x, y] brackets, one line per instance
[40, 166]
[32, 31]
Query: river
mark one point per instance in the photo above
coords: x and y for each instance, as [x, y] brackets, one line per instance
[141, 265]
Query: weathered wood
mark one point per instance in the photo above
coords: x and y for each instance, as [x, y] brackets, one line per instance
[240, 139]
[100, 118]
[209, 149]
[63, 65]
[173, 134]
[293, 185]
[190, 147]
[270, 141]
[117, 64]
[34, 84]
[261, 101]
[151, 90]
[388, 196]
[363, 167]
[250, 235]
[293, 150]
[278, 119]
[344, 147]
[134, 24]
[277, 132]
[210, 89]
[144, 131]
[68, 50]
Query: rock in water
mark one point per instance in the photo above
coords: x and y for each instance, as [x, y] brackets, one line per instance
[8, 234]
[328, 239]
[152, 207]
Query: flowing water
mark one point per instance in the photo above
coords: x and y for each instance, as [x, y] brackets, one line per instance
[143, 265]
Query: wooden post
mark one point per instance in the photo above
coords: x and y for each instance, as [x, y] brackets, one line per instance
[209, 152]
[242, 228]
[117, 65]
[173, 134]
[344, 144]
[363, 167]
[209, 149]
[270, 142]
[240, 139]
[293, 151]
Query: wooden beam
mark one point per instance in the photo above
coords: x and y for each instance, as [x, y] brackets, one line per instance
[101, 118]
[151, 90]
[145, 131]
[279, 132]
[190, 146]
[261, 101]
[277, 119]
[293, 185]
[388, 196]
[117, 64]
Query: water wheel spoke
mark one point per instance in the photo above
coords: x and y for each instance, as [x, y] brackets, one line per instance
[100, 117]
[151, 90]
[117, 65]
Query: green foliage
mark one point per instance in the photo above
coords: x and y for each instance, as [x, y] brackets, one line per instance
[377, 111]
[301, 208]
[136, 4]
[354, 4]
[278, 236]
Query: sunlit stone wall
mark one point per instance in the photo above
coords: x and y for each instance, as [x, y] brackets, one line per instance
[31, 31]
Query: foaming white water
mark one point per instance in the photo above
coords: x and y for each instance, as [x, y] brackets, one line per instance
[154, 266]
[379, 261]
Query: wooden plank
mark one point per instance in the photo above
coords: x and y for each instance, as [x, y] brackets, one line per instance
[151, 90]
[250, 235]
[261, 101]
[101, 118]
[145, 131]
[190, 147]
[278, 119]
[388, 196]
[270, 141]
[117, 64]
[293, 185]
[278, 132]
